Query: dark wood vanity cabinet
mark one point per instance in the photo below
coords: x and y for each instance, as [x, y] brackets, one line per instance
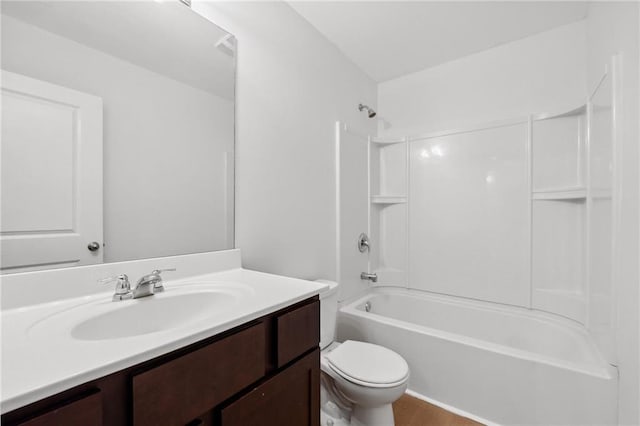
[86, 410]
[298, 385]
[265, 372]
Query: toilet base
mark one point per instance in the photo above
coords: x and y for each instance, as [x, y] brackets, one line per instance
[327, 419]
[361, 416]
[372, 416]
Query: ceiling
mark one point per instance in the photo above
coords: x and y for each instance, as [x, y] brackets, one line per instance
[388, 39]
[165, 37]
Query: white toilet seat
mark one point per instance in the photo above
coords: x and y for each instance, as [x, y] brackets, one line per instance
[367, 384]
[368, 365]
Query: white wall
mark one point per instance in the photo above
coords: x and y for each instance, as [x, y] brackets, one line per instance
[156, 171]
[469, 215]
[612, 27]
[353, 212]
[545, 72]
[292, 87]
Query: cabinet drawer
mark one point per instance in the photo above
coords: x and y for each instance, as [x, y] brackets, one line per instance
[182, 389]
[298, 331]
[290, 398]
[84, 411]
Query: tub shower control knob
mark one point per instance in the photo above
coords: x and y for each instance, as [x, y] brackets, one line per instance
[363, 243]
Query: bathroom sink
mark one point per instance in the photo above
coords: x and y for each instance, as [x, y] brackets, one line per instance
[149, 315]
[184, 305]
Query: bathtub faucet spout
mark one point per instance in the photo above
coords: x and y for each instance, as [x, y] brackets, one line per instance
[371, 277]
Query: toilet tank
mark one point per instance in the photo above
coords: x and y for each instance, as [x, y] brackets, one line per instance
[328, 313]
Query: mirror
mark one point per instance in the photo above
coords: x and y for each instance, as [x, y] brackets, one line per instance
[117, 133]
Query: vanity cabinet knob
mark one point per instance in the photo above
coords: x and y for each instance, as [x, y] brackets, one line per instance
[94, 246]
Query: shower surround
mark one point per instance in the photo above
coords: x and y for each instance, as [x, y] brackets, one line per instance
[492, 244]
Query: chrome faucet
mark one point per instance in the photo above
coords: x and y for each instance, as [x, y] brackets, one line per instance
[371, 277]
[150, 283]
[146, 286]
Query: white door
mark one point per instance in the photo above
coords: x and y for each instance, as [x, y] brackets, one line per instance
[51, 186]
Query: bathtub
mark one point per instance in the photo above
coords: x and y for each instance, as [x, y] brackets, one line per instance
[499, 364]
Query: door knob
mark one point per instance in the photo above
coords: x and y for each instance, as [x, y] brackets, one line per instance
[94, 246]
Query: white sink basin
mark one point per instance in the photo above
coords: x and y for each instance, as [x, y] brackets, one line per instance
[151, 315]
[100, 319]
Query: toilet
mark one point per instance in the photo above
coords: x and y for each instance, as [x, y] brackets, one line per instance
[359, 380]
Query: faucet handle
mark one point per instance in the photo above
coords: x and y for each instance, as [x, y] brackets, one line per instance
[157, 286]
[123, 288]
[159, 271]
[121, 277]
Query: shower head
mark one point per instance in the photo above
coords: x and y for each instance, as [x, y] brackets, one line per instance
[370, 112]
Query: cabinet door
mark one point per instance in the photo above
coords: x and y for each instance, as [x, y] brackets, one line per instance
[85, 411]
[180, 390]
[298, 332]
[290, 398]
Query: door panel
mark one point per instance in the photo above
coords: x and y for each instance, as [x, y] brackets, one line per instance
[51, 185]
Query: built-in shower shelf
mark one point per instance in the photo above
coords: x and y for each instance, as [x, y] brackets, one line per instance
[387, 140]
[581, 110]
[388, 199]
[571, 193]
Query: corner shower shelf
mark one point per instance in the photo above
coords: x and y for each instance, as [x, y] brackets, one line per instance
[388, 199]
[387, 140]
[571, 193]
[581, 110]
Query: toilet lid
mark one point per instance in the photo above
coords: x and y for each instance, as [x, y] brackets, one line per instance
[368, 363]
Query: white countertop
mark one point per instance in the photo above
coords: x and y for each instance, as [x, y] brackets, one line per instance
[36, 365]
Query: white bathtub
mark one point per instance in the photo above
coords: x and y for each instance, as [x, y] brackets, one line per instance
[503, 364]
